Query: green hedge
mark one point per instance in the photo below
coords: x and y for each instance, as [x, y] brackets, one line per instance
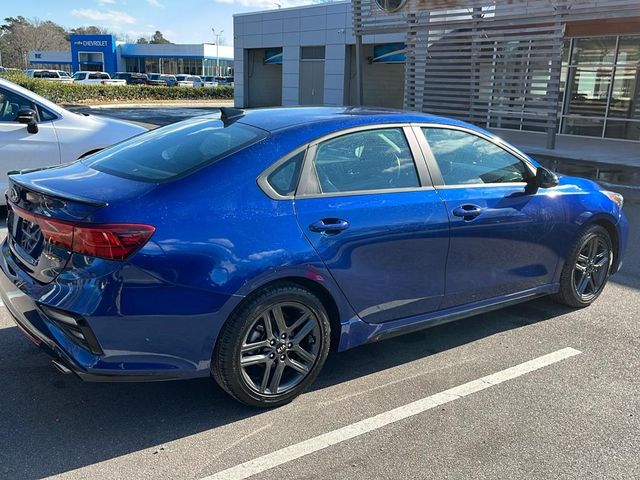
[73, 93]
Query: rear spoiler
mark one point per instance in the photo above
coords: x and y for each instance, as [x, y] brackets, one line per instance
[29, 185]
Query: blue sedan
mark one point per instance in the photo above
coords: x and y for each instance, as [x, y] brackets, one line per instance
[246, 245]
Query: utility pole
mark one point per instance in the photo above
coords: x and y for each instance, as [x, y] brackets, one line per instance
[217, 35]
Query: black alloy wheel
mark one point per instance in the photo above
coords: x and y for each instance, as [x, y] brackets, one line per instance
[587, 268]
[273, 347]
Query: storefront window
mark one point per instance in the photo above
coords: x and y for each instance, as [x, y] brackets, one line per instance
[602, 87]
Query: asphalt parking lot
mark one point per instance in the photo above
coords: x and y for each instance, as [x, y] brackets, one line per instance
[533, 391]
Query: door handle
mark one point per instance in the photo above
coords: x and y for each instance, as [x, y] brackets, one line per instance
[329, 225]
[467, 212]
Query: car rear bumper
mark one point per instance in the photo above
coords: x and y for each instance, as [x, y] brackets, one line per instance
[124, 358]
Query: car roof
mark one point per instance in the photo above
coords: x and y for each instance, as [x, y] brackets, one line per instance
[273, 119]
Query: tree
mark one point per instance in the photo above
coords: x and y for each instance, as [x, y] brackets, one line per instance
[158, 38]
[18, 35]
[142, 41]
[88, 30]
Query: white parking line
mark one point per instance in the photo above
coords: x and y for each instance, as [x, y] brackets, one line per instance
[293, 452]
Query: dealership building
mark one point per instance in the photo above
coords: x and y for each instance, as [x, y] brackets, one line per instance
[557, 67]
[104, 53]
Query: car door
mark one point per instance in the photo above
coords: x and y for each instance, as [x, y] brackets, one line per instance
[505, 235]
[366, 204]
[20, 149]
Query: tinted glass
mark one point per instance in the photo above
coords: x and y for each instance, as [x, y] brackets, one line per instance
[175, 150]
[467, 159]
[10, 103]
[284, 179]
[366, 160]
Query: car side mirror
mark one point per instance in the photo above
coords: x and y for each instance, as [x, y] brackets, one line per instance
[29, 117]
[545, 178]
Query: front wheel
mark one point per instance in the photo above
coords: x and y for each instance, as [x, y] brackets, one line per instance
[586, 270]
[273, 347]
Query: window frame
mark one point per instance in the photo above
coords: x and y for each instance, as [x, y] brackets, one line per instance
[434, 168]
[308, 184]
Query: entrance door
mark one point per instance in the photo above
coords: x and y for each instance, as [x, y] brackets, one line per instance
[311, 76]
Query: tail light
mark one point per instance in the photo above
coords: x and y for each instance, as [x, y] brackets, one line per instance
[112, 241]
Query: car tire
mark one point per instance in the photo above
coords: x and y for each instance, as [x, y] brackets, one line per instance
[586, 271]
[273, 347]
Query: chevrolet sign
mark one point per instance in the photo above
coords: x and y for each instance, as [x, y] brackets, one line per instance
[91, 43]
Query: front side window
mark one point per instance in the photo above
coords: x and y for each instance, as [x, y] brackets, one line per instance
[464, 158]
[366, 160]
[10, 103]
[173, 151]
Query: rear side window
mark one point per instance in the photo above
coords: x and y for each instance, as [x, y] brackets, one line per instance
[175, 150]
[366, 160]
[284, 179]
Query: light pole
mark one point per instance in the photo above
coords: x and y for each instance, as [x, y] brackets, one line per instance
[217, 35]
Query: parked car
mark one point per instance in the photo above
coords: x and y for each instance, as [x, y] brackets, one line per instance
[131, 78]
[209, 81]
[50, 75]
[96, 78]
[170, 80]
[188, 81]
[160, 80]
[156, 80]
[224, 80]
[35, 132]
[179, 253]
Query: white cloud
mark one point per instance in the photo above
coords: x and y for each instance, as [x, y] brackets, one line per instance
[106, 2]
[155, 3]
[110, 17]
[269, 3]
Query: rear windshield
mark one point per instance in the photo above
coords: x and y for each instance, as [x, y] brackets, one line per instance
[173, 151]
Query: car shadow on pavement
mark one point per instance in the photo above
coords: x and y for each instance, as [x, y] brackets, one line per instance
[55, 423]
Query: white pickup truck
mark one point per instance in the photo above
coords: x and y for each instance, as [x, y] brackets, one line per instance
[96, 78]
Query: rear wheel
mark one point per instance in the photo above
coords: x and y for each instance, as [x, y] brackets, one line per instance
[273, 347]
[587, 268]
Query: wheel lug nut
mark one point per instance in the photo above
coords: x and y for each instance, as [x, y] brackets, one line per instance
[289, 345]
[273, 355]
[272, 342]
[282, 357]
[284, 335]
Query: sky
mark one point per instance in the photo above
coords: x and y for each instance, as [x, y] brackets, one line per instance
[181, 21]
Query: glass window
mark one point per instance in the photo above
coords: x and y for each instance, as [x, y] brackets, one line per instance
[10, 103]
[624, 130]
[464, 158]
[589, 88]
[366, 160]
[312, 53]
[284, 179]
[625, 94]
[591, 127]
[629, 50]
[596, 50]
[175, 150]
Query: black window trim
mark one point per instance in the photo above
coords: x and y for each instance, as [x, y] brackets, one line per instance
[309, 185]
[37, 108]
[434, 169]
[263, 179]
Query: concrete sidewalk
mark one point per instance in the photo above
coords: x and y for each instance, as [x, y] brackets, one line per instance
[593, 150]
